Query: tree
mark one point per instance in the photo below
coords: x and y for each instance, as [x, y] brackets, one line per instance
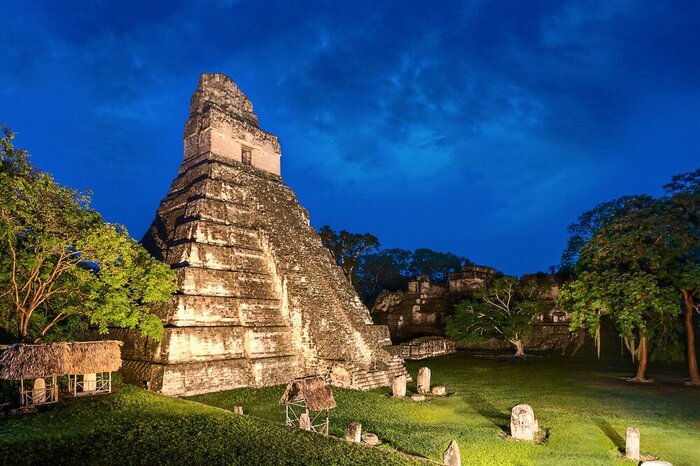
[656, 241]
[631, 299]
[590, 222]
[60, 260]
[436, 265]
[504, 310]
[388, 269]
[680, 252]
[371, 270]
[346, 248]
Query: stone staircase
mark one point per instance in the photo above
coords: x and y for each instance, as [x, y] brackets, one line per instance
[367, 379]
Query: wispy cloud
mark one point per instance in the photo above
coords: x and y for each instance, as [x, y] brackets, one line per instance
[490, 120]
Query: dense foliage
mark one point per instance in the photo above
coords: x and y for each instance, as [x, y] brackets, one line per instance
[392, 269]
[346, 248]
[62, 266]
[504, 310]
[372, 270]
[635, 259]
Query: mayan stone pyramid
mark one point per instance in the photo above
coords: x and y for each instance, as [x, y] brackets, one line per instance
[261, 300]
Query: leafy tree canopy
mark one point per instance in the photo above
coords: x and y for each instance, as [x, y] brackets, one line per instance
[638, 258]
[372, 270]
[590, 222]
[392, 269]
[504, 310]
[61, 264]
[346, 248]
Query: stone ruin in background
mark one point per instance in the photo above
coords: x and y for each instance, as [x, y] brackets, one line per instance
[261, 300]
[421, 311]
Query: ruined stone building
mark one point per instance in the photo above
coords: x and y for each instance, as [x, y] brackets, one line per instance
[422, 309]
[261, 300]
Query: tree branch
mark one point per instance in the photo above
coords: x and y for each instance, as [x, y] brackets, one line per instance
[60, 316]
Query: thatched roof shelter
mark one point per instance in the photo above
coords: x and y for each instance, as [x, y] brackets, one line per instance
[312, 390]
[24, 361]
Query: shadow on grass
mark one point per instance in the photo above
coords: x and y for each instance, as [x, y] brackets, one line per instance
[610, 432]
[489, 412]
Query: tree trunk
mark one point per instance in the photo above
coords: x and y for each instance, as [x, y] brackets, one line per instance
[580, 341]
[519, 348]
[690, 339]
[642, 366]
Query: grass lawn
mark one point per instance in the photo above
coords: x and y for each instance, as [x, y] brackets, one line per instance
[137, 427]
[584, 407]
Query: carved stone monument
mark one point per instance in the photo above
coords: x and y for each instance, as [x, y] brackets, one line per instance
[305, 421]
[423, 382]
[260, 300]
[89, 382]
[632, 443]
[39, 391]
[523, 425]
[451, 455]
[398, 387]
[353, 433]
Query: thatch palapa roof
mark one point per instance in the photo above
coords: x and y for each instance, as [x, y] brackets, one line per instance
[23, 361]
[313, 390]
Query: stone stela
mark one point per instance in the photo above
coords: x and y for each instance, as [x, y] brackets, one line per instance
[523, 425]
[353, 433]
[260, 298]
[451, 456]
[423, 381]
[632, 443]
[398, 387]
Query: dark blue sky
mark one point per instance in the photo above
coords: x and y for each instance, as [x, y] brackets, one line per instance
[481, 128]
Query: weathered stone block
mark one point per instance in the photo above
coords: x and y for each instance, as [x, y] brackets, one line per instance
[423, 381]
[304, 421]
[239, 284]
[439, 390]
[398, 387]
[370, 439]
[451, 455]
[353, 433]
[523, 425]
[632, 443]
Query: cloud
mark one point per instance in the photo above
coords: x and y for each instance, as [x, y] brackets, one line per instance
[483, 117]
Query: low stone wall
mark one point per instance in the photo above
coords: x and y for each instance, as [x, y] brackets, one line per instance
[426, 347]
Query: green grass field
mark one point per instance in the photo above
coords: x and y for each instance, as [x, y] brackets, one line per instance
[137, 427]
[584, 408]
